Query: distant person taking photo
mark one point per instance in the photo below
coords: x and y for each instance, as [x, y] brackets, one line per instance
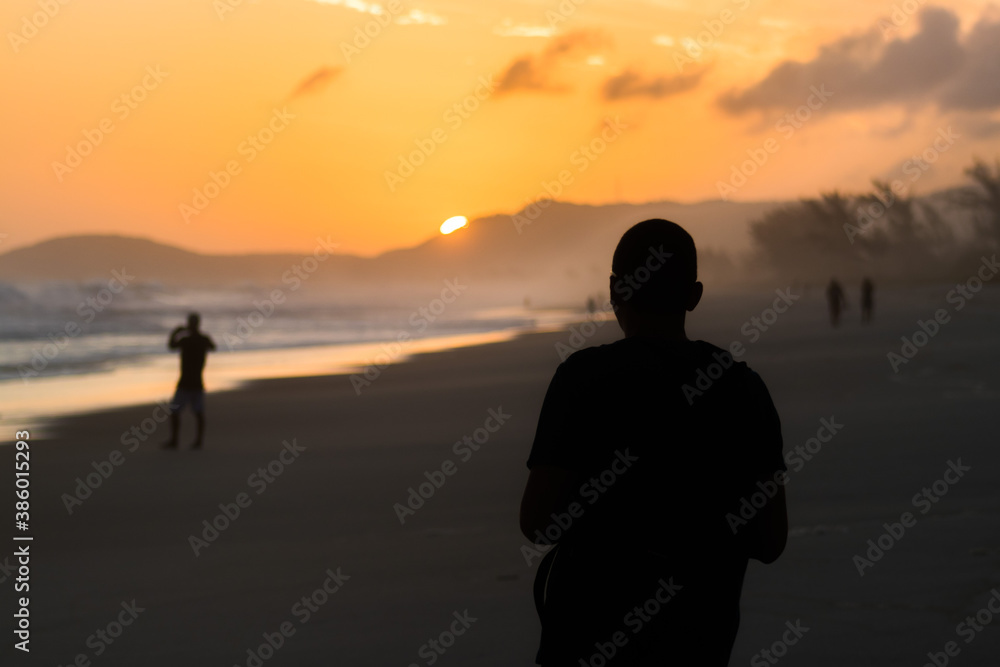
[194, 346]
[655, 487]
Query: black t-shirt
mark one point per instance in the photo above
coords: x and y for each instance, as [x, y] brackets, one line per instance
[194, 348]
[668, 438]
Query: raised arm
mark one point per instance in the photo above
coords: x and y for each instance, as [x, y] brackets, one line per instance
[173, 342]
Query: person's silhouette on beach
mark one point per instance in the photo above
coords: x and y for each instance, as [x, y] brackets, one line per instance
[836, 300]
[194, 347]
[657, 472]
[867, 299]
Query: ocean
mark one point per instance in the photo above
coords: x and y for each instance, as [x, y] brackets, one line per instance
[67, 348]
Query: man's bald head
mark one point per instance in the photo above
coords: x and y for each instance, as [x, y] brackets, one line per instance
[654, 268]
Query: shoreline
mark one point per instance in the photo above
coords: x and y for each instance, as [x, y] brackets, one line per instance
[52, 426]
[152, 380]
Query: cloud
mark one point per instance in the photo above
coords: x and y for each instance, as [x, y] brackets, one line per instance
[509, 29]
[356, 5]
[535, 72]
[977, 86]
[865, 71]
[631, 84]
[418, 17]
[316, 81]
[412, 17]
[981, 128]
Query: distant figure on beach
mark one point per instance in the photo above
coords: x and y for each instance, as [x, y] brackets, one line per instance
[836, 300]
[657, 472]
[867, 300]
[194, 347]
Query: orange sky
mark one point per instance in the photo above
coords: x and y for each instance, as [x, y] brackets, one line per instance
[349, 114]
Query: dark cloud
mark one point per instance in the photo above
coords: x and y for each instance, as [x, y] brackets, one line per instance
[535, 72]
[979, 127]
[865, 71]
[978, 85]
[316, 81]
[632, 84]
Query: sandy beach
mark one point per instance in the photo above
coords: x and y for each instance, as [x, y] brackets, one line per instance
[319, 564]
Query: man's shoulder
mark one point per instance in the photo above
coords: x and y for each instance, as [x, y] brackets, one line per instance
[196, 341]
[713, 354]
[595, 355]
[696, 351]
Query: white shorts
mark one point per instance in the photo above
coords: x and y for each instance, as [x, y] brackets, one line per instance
[193, 397]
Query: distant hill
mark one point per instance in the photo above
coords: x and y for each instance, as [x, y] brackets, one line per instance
[556, 254]
[92, 257]
[569, 245]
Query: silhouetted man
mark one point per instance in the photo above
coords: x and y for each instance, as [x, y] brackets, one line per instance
[836, 300]
[194, 347]
[867, 299]
[657, 471]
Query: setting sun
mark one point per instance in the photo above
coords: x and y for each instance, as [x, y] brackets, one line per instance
[453, 223]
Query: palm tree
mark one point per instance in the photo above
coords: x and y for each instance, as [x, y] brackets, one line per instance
[983, 199]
